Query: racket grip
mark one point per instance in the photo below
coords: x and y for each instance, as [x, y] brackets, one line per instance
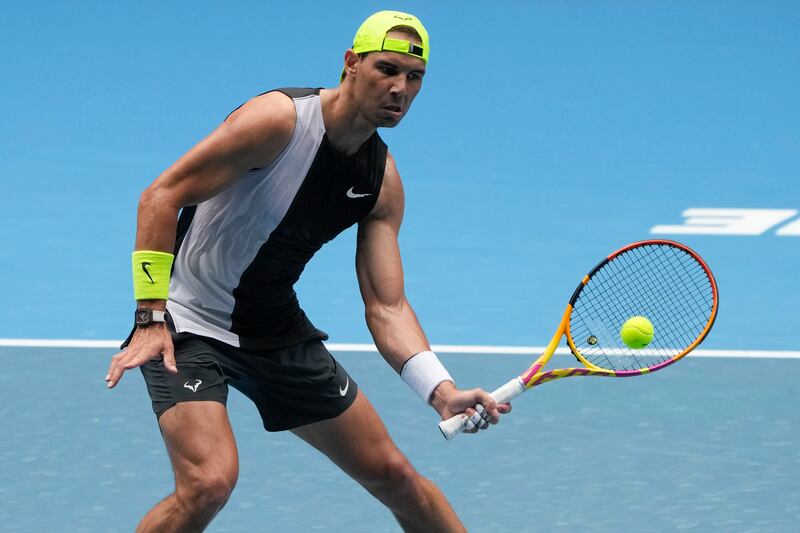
[509, 391]
[451, 427]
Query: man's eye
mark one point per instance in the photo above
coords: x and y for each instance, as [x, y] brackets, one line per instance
[389, 71]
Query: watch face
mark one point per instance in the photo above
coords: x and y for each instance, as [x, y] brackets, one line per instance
[143, 317]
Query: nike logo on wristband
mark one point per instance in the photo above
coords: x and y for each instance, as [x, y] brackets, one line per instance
[145, 264]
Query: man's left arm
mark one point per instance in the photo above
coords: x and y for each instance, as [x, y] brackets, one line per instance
[390, 318]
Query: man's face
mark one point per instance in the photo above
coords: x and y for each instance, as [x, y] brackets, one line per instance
[387, 83]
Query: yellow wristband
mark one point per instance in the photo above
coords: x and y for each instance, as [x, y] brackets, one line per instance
[151, 271]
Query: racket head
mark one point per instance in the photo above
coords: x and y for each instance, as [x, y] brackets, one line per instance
[665, 281]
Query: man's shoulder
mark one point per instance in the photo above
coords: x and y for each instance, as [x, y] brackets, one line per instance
[390, 170]
[297, 92]
[272, 112]
[263, 125]
[391, 200]
[268, 102]
[281, 99]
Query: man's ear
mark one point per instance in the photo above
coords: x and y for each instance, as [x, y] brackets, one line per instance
[351, 62]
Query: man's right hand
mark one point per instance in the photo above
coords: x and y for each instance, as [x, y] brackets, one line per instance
[449, 401]
[147, 343]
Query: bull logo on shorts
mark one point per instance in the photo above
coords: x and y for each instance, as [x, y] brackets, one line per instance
[193, 388]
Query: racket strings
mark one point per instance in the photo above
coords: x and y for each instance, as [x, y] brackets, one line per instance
[663, 283]
[667, 286]
[660, 285]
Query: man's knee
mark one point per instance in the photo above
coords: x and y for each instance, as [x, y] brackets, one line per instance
[395, 477]
[202, 492]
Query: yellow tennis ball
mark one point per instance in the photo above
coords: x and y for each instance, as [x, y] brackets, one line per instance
[636, 332]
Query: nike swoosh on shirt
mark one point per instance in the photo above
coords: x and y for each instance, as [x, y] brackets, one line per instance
[352, 194]
[343, 391]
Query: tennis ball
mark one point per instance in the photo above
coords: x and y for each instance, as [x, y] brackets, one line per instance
[636, 332]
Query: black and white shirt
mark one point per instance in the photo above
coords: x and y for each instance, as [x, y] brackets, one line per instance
[239, 254]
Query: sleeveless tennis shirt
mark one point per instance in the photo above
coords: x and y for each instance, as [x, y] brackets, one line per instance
[239, 254]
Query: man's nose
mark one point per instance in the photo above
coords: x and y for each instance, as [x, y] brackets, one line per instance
[399, 85]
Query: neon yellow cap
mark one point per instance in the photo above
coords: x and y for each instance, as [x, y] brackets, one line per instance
[371, 35]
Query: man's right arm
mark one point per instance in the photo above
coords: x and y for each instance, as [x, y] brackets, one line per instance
[251, 137]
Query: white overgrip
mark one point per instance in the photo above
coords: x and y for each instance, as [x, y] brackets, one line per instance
[455, 425]
[509, 391]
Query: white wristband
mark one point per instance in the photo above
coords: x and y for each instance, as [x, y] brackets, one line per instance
[423, 372]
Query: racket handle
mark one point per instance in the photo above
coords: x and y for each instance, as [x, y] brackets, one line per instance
[509, 391]
[456, 424]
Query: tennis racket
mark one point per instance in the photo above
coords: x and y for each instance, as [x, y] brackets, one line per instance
[664, 281]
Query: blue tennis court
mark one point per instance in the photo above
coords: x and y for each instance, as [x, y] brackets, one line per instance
[547, 135]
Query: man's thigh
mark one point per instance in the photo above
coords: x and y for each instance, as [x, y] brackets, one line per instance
[200, 441]
[357, 441]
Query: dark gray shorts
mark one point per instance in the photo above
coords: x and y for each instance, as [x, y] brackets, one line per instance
[291, 387]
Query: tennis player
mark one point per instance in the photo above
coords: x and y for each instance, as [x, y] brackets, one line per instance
[284, 174]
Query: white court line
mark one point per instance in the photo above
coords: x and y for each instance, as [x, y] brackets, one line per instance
[441, 348]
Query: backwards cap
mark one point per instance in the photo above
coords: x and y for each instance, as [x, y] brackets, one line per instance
[371, 35]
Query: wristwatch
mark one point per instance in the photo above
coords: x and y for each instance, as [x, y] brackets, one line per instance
[146, 316]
